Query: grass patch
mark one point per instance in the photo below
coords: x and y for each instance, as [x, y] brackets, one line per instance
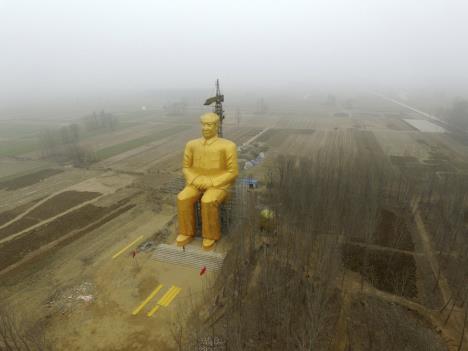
[20, 168]
[275, 137]
[134, 143]
[86, 134]
[21, 137]
[26, 137]
[25, 129]
[18, 147]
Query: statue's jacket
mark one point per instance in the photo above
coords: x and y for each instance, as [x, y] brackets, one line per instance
[215, 158]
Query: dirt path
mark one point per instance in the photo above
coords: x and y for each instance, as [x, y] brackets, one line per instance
[251, 140]
[422, 113]
[429, 252]
[341, 334]
[387, 249]
[352, 286]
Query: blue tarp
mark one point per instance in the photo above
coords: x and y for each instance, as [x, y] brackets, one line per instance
[248, 181]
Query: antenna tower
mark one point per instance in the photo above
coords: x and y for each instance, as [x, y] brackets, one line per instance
[218, 99]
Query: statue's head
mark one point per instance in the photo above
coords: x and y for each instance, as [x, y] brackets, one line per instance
[210, 123]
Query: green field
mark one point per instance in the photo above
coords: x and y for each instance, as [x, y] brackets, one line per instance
[21, 138]
[20, 130]
[18, 147]
[17, 138]
[85, 134]
[134, 143]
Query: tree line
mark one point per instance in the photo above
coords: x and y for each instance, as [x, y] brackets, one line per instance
[63, 144]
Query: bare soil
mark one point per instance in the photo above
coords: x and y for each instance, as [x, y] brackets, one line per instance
[403, 160]
[17, 226]
[391, 272]
[392, 231]
[16, 249]
[93, 233]
[62, 202]
[7, 216]
[241, 135]
[28, 179]
[48, 209]
[275, 137]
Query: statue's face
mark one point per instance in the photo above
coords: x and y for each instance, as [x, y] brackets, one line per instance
[209, 129]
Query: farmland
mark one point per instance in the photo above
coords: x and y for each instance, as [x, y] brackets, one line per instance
[63, 227]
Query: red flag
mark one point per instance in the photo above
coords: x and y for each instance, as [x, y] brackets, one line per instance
[203, 270]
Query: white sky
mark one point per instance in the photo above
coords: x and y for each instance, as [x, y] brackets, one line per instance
[59, 46]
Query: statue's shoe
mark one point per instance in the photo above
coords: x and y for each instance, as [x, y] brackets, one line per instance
[208, 244]
[182, 240]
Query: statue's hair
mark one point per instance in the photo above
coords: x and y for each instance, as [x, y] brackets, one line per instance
[209, 117]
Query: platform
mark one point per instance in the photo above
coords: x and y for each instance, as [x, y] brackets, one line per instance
[193, 256]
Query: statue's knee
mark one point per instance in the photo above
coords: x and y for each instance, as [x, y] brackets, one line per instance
[184, 196]
[208, 201]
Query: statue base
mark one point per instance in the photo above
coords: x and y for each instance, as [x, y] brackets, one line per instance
[192, 255]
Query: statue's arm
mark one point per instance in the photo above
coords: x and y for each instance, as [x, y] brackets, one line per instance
[232, 168]
[187, 164]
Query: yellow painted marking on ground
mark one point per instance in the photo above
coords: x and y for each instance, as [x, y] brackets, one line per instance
[148, 299]
[169, 297]
[155, 308]
[128, 246]
[173, 296]
[166, 295]
[166, 299]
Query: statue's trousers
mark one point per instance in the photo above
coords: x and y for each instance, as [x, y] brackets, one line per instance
[210, 201]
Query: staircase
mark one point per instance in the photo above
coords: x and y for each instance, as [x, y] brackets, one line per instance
[191, 257]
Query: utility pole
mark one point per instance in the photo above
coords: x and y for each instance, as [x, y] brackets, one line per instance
[218, 99]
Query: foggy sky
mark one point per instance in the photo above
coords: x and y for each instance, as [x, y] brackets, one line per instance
[62, 46]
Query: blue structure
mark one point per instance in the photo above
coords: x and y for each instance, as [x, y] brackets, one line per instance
[252, 183]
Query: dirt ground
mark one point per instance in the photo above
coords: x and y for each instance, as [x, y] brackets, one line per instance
[118, 286]
[28, 179]
[44, 188]
[69, 282]
[15, 166]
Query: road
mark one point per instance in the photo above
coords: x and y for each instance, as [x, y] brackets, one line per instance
[425, 114]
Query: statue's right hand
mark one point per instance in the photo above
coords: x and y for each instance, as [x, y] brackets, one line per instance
[198, 183]
[202, 183]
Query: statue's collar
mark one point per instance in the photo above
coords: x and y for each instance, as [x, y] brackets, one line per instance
[209, 141]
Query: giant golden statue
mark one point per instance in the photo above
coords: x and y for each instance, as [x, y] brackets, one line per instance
[210, 168]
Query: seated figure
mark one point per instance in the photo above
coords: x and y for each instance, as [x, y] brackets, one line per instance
[210, 168]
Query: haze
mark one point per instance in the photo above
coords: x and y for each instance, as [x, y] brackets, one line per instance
[52, 48]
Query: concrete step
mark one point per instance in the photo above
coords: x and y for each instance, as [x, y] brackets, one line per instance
[191, 257]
